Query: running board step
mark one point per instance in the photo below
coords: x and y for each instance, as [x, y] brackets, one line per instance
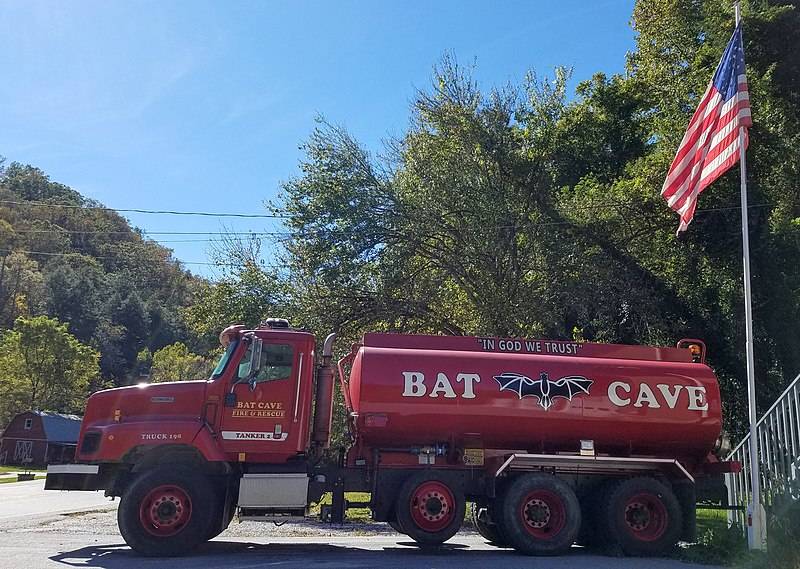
[276, 492]
[267, 515]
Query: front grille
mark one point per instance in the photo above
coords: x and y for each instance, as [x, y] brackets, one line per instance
[91, 442]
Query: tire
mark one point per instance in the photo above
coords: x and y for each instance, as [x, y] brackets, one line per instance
[165, 512]
[540, 515]
[489, 530]
[642, 516]
[396, 526]
[222, 521]
[430, 509]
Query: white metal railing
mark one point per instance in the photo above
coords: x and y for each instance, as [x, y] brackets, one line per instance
[778, 437]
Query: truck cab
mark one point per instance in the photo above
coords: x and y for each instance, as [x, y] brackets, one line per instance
[243, 437]
[255, 407]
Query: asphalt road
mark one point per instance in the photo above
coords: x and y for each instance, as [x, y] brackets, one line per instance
[24, 499]
[60, 530]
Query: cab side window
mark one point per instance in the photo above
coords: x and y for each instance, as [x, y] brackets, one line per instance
[276, 363]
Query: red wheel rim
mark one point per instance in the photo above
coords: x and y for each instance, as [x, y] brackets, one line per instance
[165, 510]
[432, 506]
[543, 514]
[646, 516]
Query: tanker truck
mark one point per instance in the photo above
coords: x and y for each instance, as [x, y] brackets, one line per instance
[551, 442]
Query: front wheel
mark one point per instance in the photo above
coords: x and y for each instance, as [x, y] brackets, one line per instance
[395, 525]
[430, 508]
[166, 512]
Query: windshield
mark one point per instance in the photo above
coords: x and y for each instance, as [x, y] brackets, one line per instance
[223, 361]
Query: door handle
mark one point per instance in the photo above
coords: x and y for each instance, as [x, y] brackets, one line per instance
[230, 399]
[297, 391]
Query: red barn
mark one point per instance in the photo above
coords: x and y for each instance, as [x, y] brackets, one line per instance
[38, 438]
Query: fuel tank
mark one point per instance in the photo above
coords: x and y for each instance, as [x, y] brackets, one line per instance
[533, 395]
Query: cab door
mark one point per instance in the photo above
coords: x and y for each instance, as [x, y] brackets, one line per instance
[257, 415]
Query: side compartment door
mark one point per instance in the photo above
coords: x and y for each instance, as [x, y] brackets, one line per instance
[258, 420]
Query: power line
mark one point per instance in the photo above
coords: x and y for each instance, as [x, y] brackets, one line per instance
[132, 232]
[308, 234]
[242, 233]
[162, 241]
[594, 207]
[178, 261]
[148, 211]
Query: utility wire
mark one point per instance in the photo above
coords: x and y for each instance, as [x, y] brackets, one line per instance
[76, 254]
[314, 233]
[275, 234]
[148, 211]
[281, 216]
[132, 232]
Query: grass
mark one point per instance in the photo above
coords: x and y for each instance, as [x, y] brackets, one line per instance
[13, 479]
[360, 515]
[6, 469]
[711, 520]
[718, 544]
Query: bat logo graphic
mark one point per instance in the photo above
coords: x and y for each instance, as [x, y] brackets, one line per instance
[544, 389]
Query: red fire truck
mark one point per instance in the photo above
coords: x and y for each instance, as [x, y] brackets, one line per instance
[552, 442]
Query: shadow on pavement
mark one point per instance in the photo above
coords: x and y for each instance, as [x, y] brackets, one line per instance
[232, 555]
[386, 555]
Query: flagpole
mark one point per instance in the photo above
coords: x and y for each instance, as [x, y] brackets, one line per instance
[757, 533]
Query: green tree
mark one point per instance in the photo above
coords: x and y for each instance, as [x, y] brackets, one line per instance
[63, 256]
[247, 296]
[144, 361]
[45, 367]
[176, 363]
[74, 287]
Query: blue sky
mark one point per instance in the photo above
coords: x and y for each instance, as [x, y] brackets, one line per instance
[202, 106]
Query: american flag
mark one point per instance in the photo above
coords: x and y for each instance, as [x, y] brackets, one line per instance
[711, 143]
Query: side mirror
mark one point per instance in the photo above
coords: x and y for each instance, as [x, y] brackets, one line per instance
[255, 361]
[253, 365]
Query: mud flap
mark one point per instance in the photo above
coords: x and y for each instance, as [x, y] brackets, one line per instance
[74, 477]
[687, 498]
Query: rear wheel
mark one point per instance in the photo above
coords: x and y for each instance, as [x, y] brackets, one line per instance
[429, 508]
[642, 516]
[540, 515]
[166, 512]
[395, 525]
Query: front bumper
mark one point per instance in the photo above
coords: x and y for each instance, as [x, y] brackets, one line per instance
[74, 477]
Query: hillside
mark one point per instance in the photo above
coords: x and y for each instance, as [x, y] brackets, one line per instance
[65, 256]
